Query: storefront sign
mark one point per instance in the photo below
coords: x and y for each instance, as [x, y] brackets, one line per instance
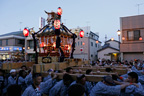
[17, 48]
[4, 48]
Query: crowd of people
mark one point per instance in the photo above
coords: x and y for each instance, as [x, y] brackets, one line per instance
[27, 83]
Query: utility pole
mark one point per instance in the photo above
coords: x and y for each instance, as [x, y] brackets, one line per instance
[105, 38]
[20, 25]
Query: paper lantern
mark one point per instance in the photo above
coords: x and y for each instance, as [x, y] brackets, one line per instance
[59, 12]
[81, 34]
[25, 32]
[57, 24]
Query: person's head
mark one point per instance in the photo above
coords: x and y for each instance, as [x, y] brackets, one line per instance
[81, 79]
[132, 77]
[108, 80]
[108, 69]
[22, 73]
[37, 78]
[89, 72]
[23, 67]
[50, 70]
[1, 72]
[13, 72]
[67, 79]
[14, 90]
[76, 90]
[69, 70]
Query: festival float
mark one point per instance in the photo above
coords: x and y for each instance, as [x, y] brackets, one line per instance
[56, 43]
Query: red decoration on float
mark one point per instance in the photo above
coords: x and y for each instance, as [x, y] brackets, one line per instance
[25, 32]
[66, 47]
[54, 44]
[57, 24]
[42, 44]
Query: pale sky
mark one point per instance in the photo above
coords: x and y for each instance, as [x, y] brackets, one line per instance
[102, 16]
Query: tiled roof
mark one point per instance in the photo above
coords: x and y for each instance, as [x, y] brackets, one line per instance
[18, 33]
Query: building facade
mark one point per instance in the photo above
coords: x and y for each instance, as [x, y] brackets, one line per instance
[11, 45]
[110, 51]
[132, 37]
[86, 47]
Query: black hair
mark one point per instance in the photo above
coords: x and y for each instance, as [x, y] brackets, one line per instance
[80, 77]
[23, 66]
[68, 69]
[114, 77]
[21, 73]
[88, 71]
[67, 77]
[14, 90]
[108, 69]
[35, 75]
[108, 80]
[134, 75]
[76, 90]
[2, 71]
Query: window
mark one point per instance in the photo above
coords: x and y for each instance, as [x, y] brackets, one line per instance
[6, 42]
[0, 42]
[81, 42]
[91, 43]
[20, 41]
[91, 55]
[31, 44]
[78, 43]
[133, 35]
[95, 45]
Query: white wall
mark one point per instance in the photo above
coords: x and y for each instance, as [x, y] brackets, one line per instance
[114, 44]
[93, 49]
[106, 51]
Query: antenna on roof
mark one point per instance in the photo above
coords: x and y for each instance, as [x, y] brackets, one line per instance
[138, 5]
[105, 38]
[20, 25]
[87, 27]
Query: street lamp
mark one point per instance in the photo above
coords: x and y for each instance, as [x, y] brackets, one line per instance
[119, 32]
[112, 39]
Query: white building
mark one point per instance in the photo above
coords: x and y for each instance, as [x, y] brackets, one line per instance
[110, 50]
[87, 43]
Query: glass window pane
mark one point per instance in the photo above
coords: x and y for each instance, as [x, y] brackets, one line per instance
[136, 34]
[130, 35]
[91, 43]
